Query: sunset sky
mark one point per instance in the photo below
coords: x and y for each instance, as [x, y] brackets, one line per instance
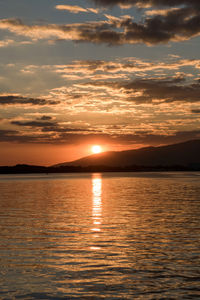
[117, 73]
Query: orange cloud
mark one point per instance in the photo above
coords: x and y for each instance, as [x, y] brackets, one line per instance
[75, 9]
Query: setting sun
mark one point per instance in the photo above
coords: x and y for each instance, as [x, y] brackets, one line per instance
[96, 149]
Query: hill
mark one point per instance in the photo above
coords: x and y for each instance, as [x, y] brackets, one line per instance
[185, 154]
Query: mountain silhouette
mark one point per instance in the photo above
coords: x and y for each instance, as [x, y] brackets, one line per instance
[182, 154]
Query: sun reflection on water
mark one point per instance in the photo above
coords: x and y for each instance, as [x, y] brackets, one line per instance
[96, 205]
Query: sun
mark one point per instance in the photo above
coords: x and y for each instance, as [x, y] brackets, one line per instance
[96, 149]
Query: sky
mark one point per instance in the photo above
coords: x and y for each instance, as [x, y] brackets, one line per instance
[122, 74]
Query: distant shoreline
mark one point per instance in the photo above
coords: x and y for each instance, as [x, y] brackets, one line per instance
[28, 169]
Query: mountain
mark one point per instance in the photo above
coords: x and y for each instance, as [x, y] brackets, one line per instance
[182, 154]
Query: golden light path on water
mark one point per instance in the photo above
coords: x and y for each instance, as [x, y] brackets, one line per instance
[96, 206]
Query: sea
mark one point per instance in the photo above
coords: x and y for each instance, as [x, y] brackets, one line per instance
[100, 236]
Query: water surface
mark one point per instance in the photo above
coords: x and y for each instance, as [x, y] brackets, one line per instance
[100, 236]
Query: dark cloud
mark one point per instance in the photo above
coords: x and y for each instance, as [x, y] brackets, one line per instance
[66, 129]
[16, 136]
[45, 118]
[33, 123]
[195, 111]
[51, 127]
[164, 90]
[166, 3]
[4, 133]
[160, 90]
[176, 25]
[12, 100]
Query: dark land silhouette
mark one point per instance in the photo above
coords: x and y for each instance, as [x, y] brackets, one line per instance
[185, 154]
[177, 157]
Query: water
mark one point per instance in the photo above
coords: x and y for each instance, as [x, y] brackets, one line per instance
[100, 236]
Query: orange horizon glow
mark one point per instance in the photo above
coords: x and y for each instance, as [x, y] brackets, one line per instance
[47, 155]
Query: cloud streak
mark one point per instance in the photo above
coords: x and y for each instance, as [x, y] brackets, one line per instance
[155, 91]
[125, 66]
[33, 123]
[6, 43]
[20, 100]
[75, 9]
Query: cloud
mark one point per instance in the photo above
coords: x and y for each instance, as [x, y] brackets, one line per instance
[70, 138]
[71, 8]
[15, 136]
[195, 111]
[67, 130]
[79, 71]
[75, 9]
[15, 99]
[157, 139]
[156, 91]
[147, 3]
[33, 123]
[176, 25]
[161, 12]
[6, 43]
[54, 127]
[85, 32]
[9, 42]
[127, 65]
[164, 90]
[93, 10]
[7, 132]
[45, 118]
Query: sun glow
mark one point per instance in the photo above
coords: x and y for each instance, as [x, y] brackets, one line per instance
[96, 149]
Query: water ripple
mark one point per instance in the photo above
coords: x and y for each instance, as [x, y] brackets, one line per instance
[111, 236]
